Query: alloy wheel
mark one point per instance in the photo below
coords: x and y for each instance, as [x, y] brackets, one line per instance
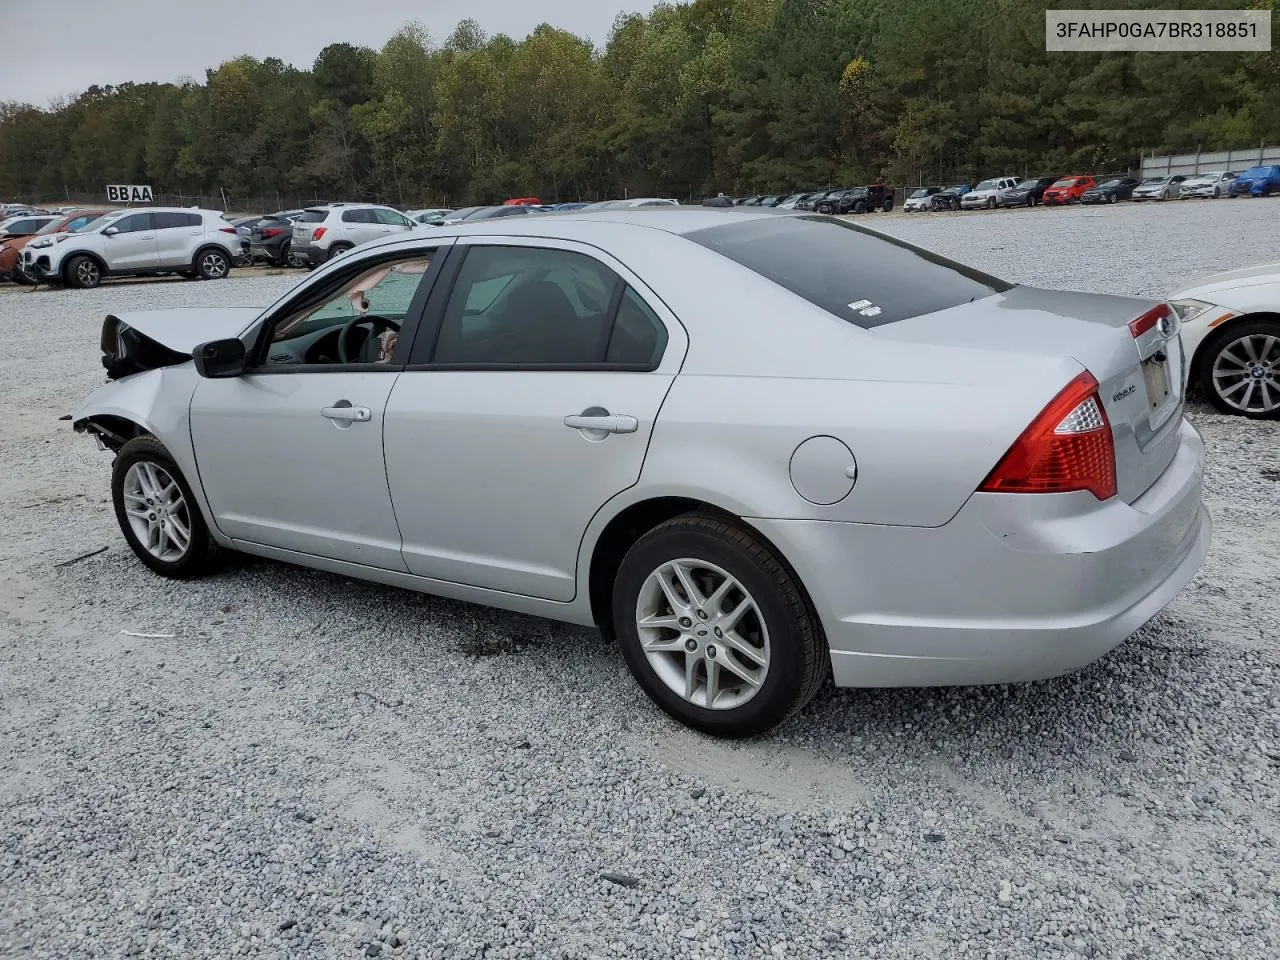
[1246, 374]
[87, 273]
[703, 634]
[157, 511]
[213, 265]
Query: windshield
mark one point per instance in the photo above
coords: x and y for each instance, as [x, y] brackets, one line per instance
[1154, 180]
[51, 227]
[858, 275]
[920, 193]
[1028, 184]
[1066, 182]
[1257, 172]
[987, 185]
[1113, 183]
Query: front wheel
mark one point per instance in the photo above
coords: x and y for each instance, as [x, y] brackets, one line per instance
[991, 203]
[157, 512]
[716, 629]
[212, 264]
[1111, 198]
[1240, 370]
[83, 272]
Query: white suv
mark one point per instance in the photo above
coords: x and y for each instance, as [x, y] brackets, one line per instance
[152, 240]
[989, 193]
[324, 232]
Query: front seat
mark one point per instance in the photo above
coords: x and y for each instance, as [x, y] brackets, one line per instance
[548, 329]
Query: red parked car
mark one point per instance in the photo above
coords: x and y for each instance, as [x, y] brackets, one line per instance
[522, 202]
[1068, 189]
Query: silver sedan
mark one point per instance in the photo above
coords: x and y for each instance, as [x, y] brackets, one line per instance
[757, 449]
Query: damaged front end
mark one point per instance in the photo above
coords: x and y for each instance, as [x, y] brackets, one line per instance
[126, 351]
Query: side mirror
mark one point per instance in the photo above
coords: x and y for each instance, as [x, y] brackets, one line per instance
[110, 231]
[220, 359]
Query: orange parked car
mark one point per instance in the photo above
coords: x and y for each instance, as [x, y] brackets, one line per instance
[11, 249]
[1068, 189]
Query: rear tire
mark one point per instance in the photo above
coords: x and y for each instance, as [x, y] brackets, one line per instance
[1225, 371]
[212, 264]
[888, 205]
[157, 512]
[771, 658]
[337, 250]
[83, 272]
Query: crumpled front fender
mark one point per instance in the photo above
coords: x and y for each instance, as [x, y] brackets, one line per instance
[155, 402]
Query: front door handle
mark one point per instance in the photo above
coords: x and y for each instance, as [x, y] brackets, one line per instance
[346, 414]
[603, 423]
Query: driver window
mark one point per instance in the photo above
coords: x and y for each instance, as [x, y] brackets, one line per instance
[359, 323]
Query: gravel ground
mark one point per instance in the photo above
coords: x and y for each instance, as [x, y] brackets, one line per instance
[292, 764]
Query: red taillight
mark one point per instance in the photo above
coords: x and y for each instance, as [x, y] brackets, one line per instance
[320, 232]
[226, 229]
[272, 232]
[1068, 447]
[1148, 320]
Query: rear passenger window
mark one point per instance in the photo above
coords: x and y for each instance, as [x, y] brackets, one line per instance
[164, 221]
[639, 337]
[391, 218]
[358, 216]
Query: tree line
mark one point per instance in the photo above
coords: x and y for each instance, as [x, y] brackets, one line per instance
[744, 96]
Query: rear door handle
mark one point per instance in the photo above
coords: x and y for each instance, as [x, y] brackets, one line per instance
[605, 424]
[347, 414]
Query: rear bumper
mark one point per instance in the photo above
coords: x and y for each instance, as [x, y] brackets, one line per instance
[1016, 587]
[265, 251]
[311, 254]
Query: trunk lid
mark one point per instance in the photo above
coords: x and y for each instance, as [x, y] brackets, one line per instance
[1140, 378]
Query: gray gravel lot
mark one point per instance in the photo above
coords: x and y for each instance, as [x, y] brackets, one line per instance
[297, 765]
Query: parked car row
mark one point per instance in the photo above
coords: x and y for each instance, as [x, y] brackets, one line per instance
[996, 192]
[842, 200]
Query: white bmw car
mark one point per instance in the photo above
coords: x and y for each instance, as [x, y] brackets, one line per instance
[1231, 334]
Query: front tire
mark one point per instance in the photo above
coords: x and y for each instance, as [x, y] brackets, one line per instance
[991, 203]
[716, 629]
[1239, 370]
[157, 512]
[83, 272]
[212, 264]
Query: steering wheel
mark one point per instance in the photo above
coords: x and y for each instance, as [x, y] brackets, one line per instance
[377, 325]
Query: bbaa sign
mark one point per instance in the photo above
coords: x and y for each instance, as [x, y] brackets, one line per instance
[129, 193]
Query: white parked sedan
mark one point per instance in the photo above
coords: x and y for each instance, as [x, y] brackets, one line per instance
[1207, 185]
[756, 448]
[1231, 332]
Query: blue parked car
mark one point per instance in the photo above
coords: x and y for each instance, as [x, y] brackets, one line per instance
[1257, 182]
[558, 207]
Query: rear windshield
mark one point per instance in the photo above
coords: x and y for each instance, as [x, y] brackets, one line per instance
[313, 216]
[857, 274]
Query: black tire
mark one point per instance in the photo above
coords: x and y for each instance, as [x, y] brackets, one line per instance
[337, 250]
[798, 659]
[202, 553]
[888, 205]
[860, 207]
[83, 272]
[1212, 349]
[1111, 198]
[211, 263]
[991, 203]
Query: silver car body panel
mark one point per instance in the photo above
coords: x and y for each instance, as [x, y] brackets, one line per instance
[487, 496]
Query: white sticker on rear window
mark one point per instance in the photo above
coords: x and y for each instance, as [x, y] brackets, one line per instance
[866, 308]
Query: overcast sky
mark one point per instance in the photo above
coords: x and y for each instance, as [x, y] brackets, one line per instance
[61, 48]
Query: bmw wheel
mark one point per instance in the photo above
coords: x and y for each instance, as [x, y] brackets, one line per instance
[157, 512]
[83, 272]
[1240, 370]
[716, 629]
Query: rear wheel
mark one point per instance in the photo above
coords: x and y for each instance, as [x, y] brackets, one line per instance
[212, 264]
[716, 629]
[83, 272]
[888, 205]
[157, 512]
[338, 249]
